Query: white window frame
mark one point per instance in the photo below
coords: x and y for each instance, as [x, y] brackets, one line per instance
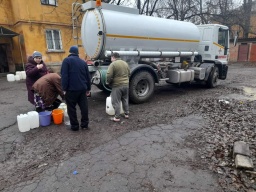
[53, 40]
[49, 2]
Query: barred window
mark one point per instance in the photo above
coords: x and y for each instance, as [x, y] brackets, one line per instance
[53, 39]
[49, 2]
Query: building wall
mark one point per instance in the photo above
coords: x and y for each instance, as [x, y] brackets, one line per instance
[30, 19]
[6, 13]
[253, 53]
[235, 51]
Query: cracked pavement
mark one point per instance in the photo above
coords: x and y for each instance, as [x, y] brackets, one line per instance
[152, 151]
[151, 159]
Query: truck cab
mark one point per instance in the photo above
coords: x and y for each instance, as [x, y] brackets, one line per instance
[214, 42]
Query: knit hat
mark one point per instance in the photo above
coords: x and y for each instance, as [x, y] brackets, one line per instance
[74, 49]
[115, 55]
[36, 54]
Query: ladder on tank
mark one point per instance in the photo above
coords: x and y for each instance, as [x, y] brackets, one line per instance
[75, 22]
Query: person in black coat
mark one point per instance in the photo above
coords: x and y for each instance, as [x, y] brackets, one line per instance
[35, 68]
[76, 84]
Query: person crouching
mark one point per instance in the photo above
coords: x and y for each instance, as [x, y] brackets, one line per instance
[46, 90]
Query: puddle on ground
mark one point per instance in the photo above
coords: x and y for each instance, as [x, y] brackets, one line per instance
[251, 92]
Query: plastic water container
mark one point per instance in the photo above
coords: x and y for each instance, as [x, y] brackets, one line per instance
[23, 74]
[23, 122]
[57, 115]
[66, 117]
[109, 107]
[66, 120]
[33, 119]
[10, 77]
[17, 77]
[63, 106]
[19, 73]
[45, 118]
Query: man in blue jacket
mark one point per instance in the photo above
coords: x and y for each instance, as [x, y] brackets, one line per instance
[76, 84]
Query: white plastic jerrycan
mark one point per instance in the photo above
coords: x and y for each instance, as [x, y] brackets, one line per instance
[19, 74]
[10, 77]
[23, 122]
[17, 77]
[63, 106]
[33, 119]
[23, 75]
[109, 108]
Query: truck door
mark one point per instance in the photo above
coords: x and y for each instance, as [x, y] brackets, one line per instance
[223, 39]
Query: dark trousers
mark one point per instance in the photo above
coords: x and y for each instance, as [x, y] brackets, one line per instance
[73, 98]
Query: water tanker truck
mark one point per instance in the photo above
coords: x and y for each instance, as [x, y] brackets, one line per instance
[156, 49]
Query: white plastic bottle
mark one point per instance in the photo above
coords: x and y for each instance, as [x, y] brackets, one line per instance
[66, 117]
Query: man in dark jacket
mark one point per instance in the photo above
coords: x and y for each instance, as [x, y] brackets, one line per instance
[76, 84]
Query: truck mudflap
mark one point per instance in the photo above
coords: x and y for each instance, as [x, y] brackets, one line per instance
[223, 70]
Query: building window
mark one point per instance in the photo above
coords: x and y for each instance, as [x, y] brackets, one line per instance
[49, 2]
[53, 39]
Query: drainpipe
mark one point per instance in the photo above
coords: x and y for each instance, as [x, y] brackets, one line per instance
[21, 55]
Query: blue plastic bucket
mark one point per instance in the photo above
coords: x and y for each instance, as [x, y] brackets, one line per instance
[45, 118]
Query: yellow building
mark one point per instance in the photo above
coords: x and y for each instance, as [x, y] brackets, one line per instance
[35, 25]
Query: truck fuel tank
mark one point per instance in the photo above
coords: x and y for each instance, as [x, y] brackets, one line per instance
[180, 75]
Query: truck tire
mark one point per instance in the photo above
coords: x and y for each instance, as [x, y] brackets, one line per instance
[102, 88]
[142, 87]
[212, 80]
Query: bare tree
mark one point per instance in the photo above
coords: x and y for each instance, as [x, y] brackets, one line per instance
[247, 10]
[184, 10]
[225, 12]
[230, 13]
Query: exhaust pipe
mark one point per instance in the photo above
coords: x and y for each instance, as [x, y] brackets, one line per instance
[96, 63]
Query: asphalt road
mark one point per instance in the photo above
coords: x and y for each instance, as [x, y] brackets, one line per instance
[152, 151]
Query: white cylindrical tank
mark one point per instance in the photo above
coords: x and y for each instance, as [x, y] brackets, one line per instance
[113, 30]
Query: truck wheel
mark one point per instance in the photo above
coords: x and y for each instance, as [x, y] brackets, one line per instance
[212, 80]
[142, 87]
[103, 88]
